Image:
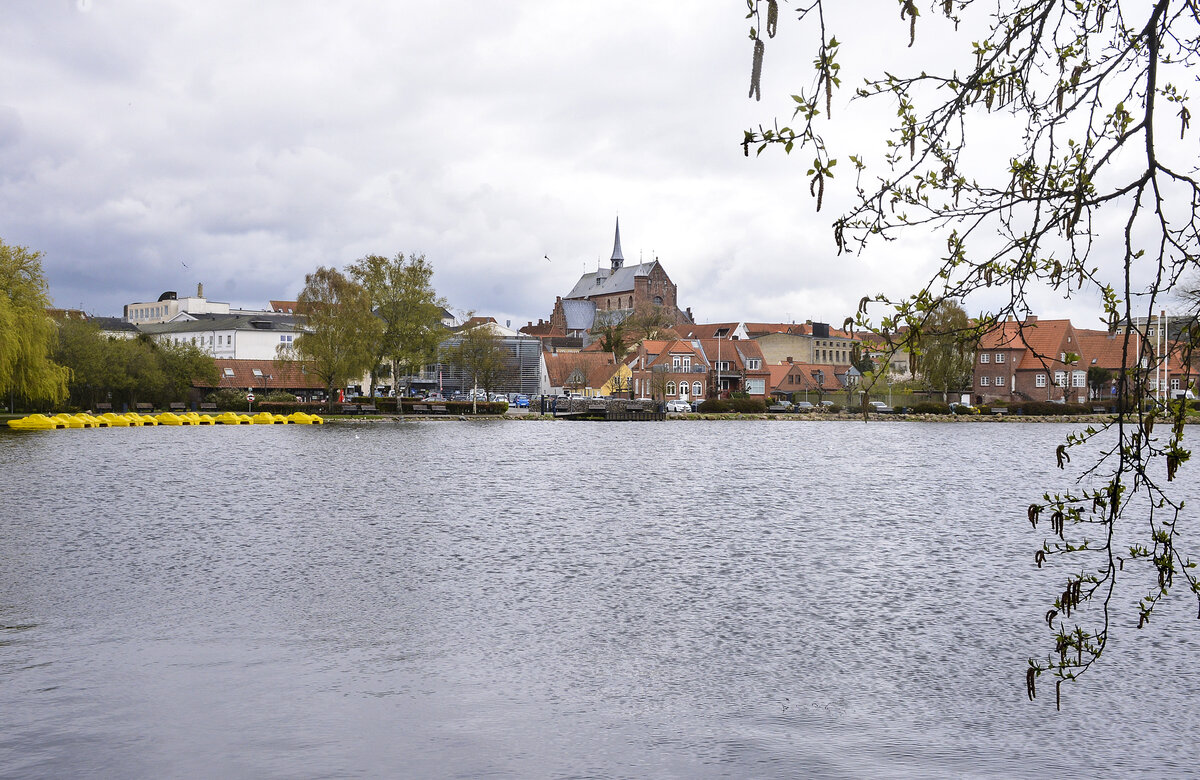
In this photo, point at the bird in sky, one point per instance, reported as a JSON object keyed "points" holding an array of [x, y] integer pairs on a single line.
{"points": [[547, 258]]}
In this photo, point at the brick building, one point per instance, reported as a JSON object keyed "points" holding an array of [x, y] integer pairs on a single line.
{"points": [[610, 295]]}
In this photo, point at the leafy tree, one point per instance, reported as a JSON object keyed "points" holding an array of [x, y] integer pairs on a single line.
{"points": [[403, 298], [651, 321], [128, 370], [478, 352], [946, 349], [1087, 188], [340, 331], [613, 335], [27, 334], [1098, 379], [183, 366]]}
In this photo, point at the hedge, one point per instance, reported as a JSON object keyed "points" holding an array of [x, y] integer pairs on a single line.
{"points": [[929, 407], [1048, 408]]}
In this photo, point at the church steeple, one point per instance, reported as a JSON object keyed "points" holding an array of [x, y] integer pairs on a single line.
{"points": [[618, 259]]}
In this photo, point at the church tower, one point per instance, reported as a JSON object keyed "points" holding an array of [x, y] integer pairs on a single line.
{"points": [[618, 259]]}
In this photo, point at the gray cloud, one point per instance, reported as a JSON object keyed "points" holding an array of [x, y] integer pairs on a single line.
{"points": [[255, 142]]}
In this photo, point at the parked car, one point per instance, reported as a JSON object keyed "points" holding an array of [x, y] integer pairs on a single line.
{"points": [[678, 406], [521, 401], [780, 406], [880, 407], [435, 397], [803, 406], [957, 408]]}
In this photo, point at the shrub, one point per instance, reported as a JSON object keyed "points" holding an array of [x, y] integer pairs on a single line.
{"points": [[229, 399], [1048, 408], [714, 406], [287, 407], [748, 405], [832, 409], [930, 407]]}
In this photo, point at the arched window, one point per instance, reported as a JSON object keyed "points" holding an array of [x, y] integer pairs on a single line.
{"points": [[631, 301], [670, 388], [658, 300], [696, 389]]}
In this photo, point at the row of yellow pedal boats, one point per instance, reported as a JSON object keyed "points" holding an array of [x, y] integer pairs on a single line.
{"points": [[41, 422]]}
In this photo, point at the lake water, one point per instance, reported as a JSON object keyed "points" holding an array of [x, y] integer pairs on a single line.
{"points": [[574, 600]]}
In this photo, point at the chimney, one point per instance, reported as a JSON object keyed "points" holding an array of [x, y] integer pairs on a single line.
{"points": [[789, 360], [200, 290]]}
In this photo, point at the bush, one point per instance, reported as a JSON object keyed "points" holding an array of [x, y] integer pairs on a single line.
{"points": [[285, 407], [714, 406], [930, 407], [832, 409], [228, 399], [748, 405], [1048, 408]]}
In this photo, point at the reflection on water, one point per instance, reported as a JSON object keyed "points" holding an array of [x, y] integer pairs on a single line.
{"points": [[552, 600]]}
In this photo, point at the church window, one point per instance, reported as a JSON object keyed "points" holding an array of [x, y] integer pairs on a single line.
{"points": [[658, 300]]}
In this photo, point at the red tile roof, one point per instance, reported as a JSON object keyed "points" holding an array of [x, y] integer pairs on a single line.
{"points": [[273, 374]]}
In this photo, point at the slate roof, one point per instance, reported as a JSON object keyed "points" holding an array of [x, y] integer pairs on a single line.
{"points": [[114, 324], [580, 314], [618, 281], [221, 322]]}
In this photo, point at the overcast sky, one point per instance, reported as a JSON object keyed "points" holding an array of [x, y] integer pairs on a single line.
{"points": [[149, 146]]}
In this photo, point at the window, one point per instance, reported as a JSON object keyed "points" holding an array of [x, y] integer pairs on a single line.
{"points": [[722, 365], [1060, 378], [756, 386], [258, 373], [228, 371], [1040, 380], [999, 357], [670, 388], [999, 381], [676, 362], [985, 357], [1175, 383], [696, 389], [657, 300], [753, 364], [687, 362], [1078, 379], [984, 381]]}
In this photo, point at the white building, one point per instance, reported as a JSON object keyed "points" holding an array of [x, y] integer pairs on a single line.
{"points": [[169, 305], [237, 336]]}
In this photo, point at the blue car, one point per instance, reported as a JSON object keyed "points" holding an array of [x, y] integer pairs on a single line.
{"points": [[522, 402]]}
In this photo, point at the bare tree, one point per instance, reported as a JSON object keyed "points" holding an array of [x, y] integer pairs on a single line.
{"points": [[1099, 168]]}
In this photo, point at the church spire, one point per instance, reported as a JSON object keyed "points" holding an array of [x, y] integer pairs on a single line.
{"points": [[618, 259]]}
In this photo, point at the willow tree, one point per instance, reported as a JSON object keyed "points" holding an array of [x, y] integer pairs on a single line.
{"points": [[27, 334], [1046, 144], [339, 333]]}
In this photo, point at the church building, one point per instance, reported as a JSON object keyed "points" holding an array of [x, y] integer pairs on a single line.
{"points": [[610, 295]]}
